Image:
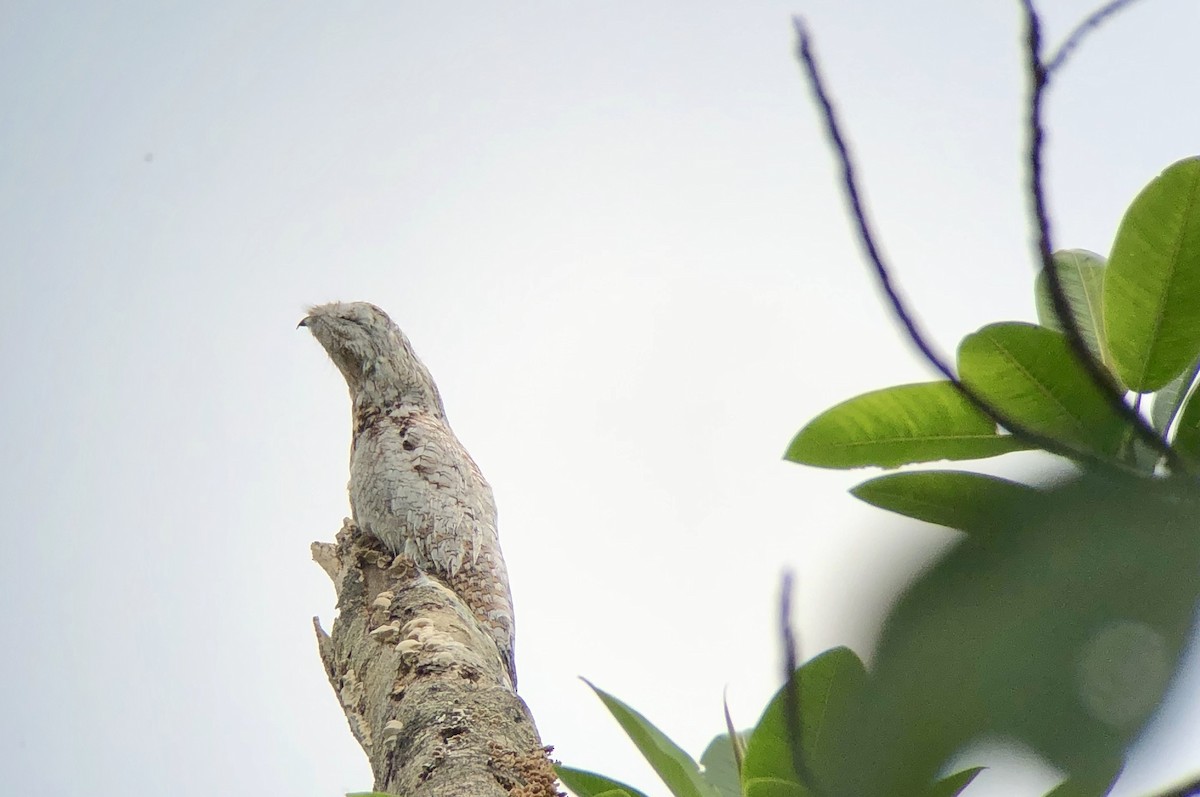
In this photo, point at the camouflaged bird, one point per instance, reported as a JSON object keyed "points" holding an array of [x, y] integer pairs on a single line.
{"points": [[412, 484]]}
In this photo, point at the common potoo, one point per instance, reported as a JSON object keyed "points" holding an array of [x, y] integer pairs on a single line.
{"points": [[412, 484]]}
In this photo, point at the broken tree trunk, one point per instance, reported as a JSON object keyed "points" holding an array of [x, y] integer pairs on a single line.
{"points": [[421, 684]]}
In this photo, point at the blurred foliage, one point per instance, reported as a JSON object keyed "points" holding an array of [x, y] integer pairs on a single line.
{"points": [[1059, 619]]}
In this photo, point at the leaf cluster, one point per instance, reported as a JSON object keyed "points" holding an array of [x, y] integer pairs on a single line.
{"points": [[1060, 616], [1139, 314]]}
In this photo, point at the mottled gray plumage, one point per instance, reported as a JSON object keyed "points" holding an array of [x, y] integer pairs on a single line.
{"points": [[412, 484]]}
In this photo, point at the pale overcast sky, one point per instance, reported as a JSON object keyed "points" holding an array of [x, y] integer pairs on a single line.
{"points": [[612, 231]]}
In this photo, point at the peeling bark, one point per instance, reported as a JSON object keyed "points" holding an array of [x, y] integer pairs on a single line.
{"points": [[422, 685]]}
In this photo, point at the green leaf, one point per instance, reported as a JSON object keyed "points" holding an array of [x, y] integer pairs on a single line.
{"points": [[1064, 633], [591, 784], [673, 765], [1150, 307], [1030, 373], [1095, 785], [953, 785], [830, 688], [775, 787], [1081, 274], [720, 767], [896, 425], [957, 499], [1168, 400]]}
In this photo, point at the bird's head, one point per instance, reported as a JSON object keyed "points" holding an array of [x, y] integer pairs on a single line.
{"points": [[373, 355]]}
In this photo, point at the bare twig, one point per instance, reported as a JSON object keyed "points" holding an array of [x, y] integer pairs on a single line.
{"points": [[1039, 79], [1089, 25], [866, 238], [791, 703], [850, 183]]}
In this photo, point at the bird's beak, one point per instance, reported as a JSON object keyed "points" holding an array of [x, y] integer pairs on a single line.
{"points": [[305, 322]]}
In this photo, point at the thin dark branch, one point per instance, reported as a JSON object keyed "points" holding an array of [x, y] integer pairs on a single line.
{"points": [[850, 183], [791, 703], [866, 238], [1100, 376], [1190, 789], [1089, 25]]}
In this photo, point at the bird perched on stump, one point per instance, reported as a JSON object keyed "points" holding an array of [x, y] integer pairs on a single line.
{"points": [[412, 484]]}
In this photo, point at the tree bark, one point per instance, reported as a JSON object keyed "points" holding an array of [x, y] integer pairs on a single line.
{"points": [[421, 684]]}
